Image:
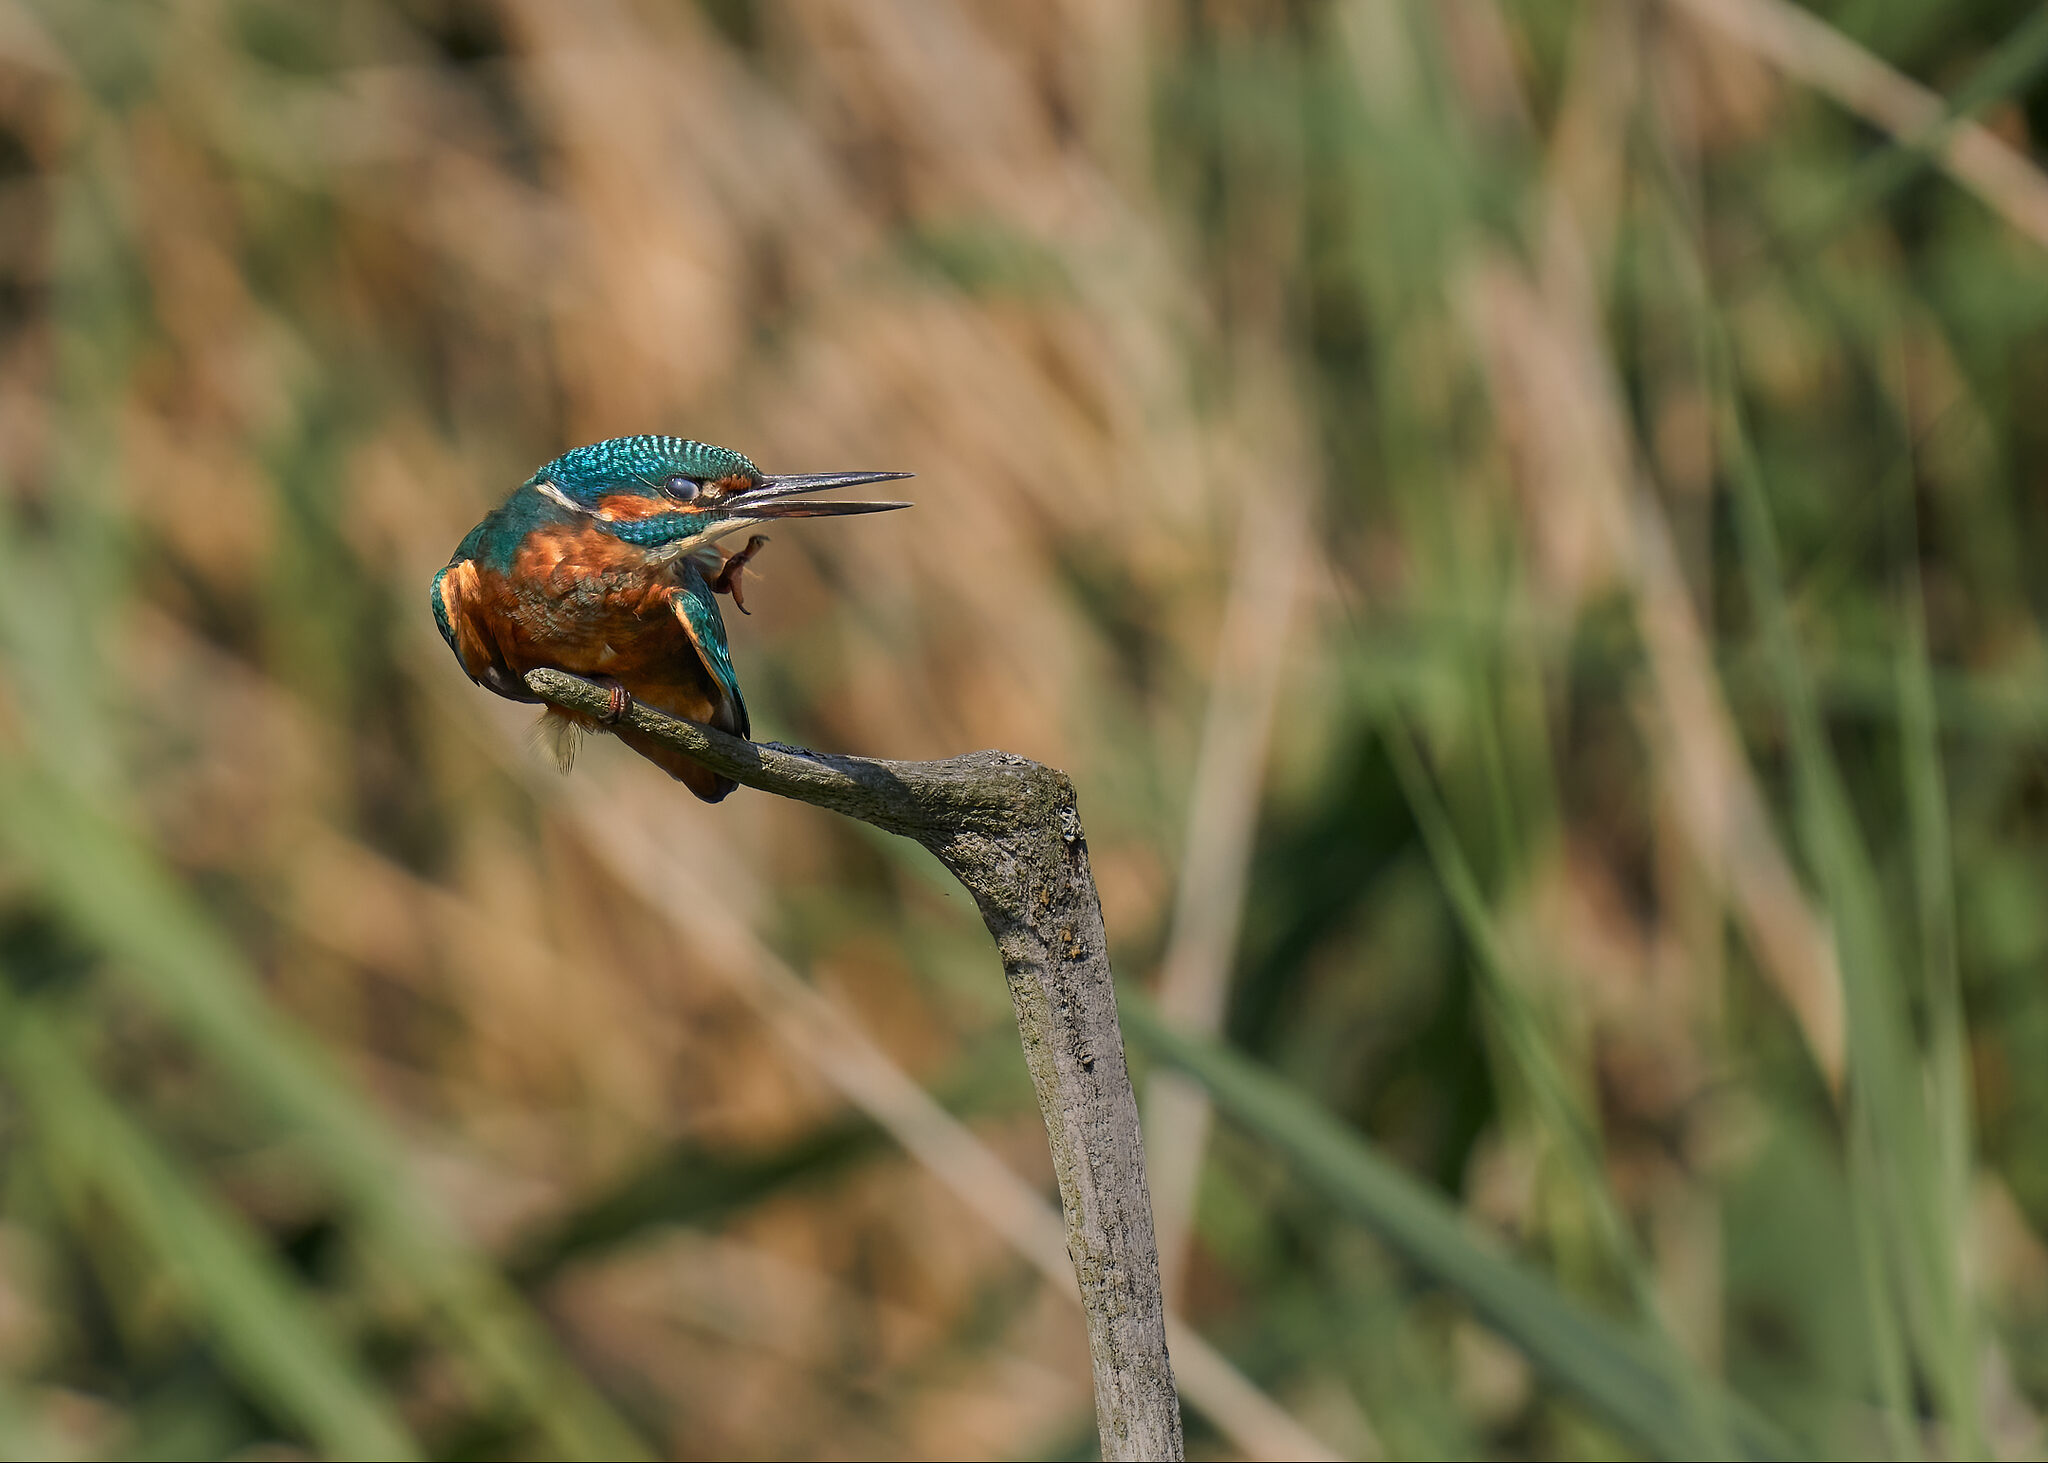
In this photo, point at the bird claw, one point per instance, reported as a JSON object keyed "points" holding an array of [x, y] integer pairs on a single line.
{"points": [[728, 580], [618, 701]]}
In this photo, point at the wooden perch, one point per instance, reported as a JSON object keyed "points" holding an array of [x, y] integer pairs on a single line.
{"points": [[1006, 828]]}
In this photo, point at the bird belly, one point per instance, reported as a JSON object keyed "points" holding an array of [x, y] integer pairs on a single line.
{"points": [[584, 602], [581, 601]]}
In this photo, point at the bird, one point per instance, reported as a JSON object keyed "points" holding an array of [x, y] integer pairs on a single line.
{"points": [[605, 563]]}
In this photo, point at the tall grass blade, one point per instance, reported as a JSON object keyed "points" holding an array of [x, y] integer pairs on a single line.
{"points": [[1557, 1107], [268, 1330], [117, 896], [2012, 64], [1603, 1363], [1947, 1039], [1906, 1186]]}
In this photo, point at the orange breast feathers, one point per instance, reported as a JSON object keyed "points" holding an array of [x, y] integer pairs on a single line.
{"points": [[579, 600], [621, 507]]}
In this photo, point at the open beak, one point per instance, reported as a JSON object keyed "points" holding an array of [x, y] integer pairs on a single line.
{"points": [[782, 497]]}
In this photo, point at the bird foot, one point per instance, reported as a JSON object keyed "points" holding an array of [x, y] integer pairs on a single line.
{"points": [[617, 703], [728, 580]]}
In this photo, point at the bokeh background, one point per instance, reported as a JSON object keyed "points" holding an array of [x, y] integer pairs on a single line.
{"points": [[1523, 518]]}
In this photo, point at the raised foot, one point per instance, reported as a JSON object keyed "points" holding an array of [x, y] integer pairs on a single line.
{"points": [[728, 580]]}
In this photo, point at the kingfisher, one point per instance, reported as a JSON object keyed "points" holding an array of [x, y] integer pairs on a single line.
{"points": [[606, 564]]}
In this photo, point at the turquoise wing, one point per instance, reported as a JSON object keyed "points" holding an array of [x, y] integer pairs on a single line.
{"points": [[441, 619], [465, 551], [698, 608]]}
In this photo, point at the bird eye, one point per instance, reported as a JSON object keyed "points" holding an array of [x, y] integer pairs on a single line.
{"points": [[682, 487]]}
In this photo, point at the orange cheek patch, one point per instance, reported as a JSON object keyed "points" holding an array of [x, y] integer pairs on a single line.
{"points": [[622, 507], [737, 483]]}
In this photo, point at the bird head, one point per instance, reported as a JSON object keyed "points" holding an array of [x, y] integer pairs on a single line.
{"points": [[671, 495]]}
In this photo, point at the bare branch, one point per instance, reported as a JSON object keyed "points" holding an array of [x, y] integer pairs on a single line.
{"points": [[1006, 828]]}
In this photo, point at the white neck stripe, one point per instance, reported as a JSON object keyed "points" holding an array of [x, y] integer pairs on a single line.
{"points": [[549, 491]]}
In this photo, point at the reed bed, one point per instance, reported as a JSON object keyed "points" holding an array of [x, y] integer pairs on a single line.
{"points": [[1521, 517]]}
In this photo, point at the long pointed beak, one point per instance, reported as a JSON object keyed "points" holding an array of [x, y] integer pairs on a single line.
{"points": [[781, 497]]}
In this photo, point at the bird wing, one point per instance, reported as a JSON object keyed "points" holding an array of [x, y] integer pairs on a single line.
{"points": [[696, 607], [706, 690], [454, 596]]}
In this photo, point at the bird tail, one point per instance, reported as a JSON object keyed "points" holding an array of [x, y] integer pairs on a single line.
{"points": [[694, 775], [559, 735]]}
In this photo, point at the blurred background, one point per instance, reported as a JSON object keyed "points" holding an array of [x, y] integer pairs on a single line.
{"points": [[1523, 518]]}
